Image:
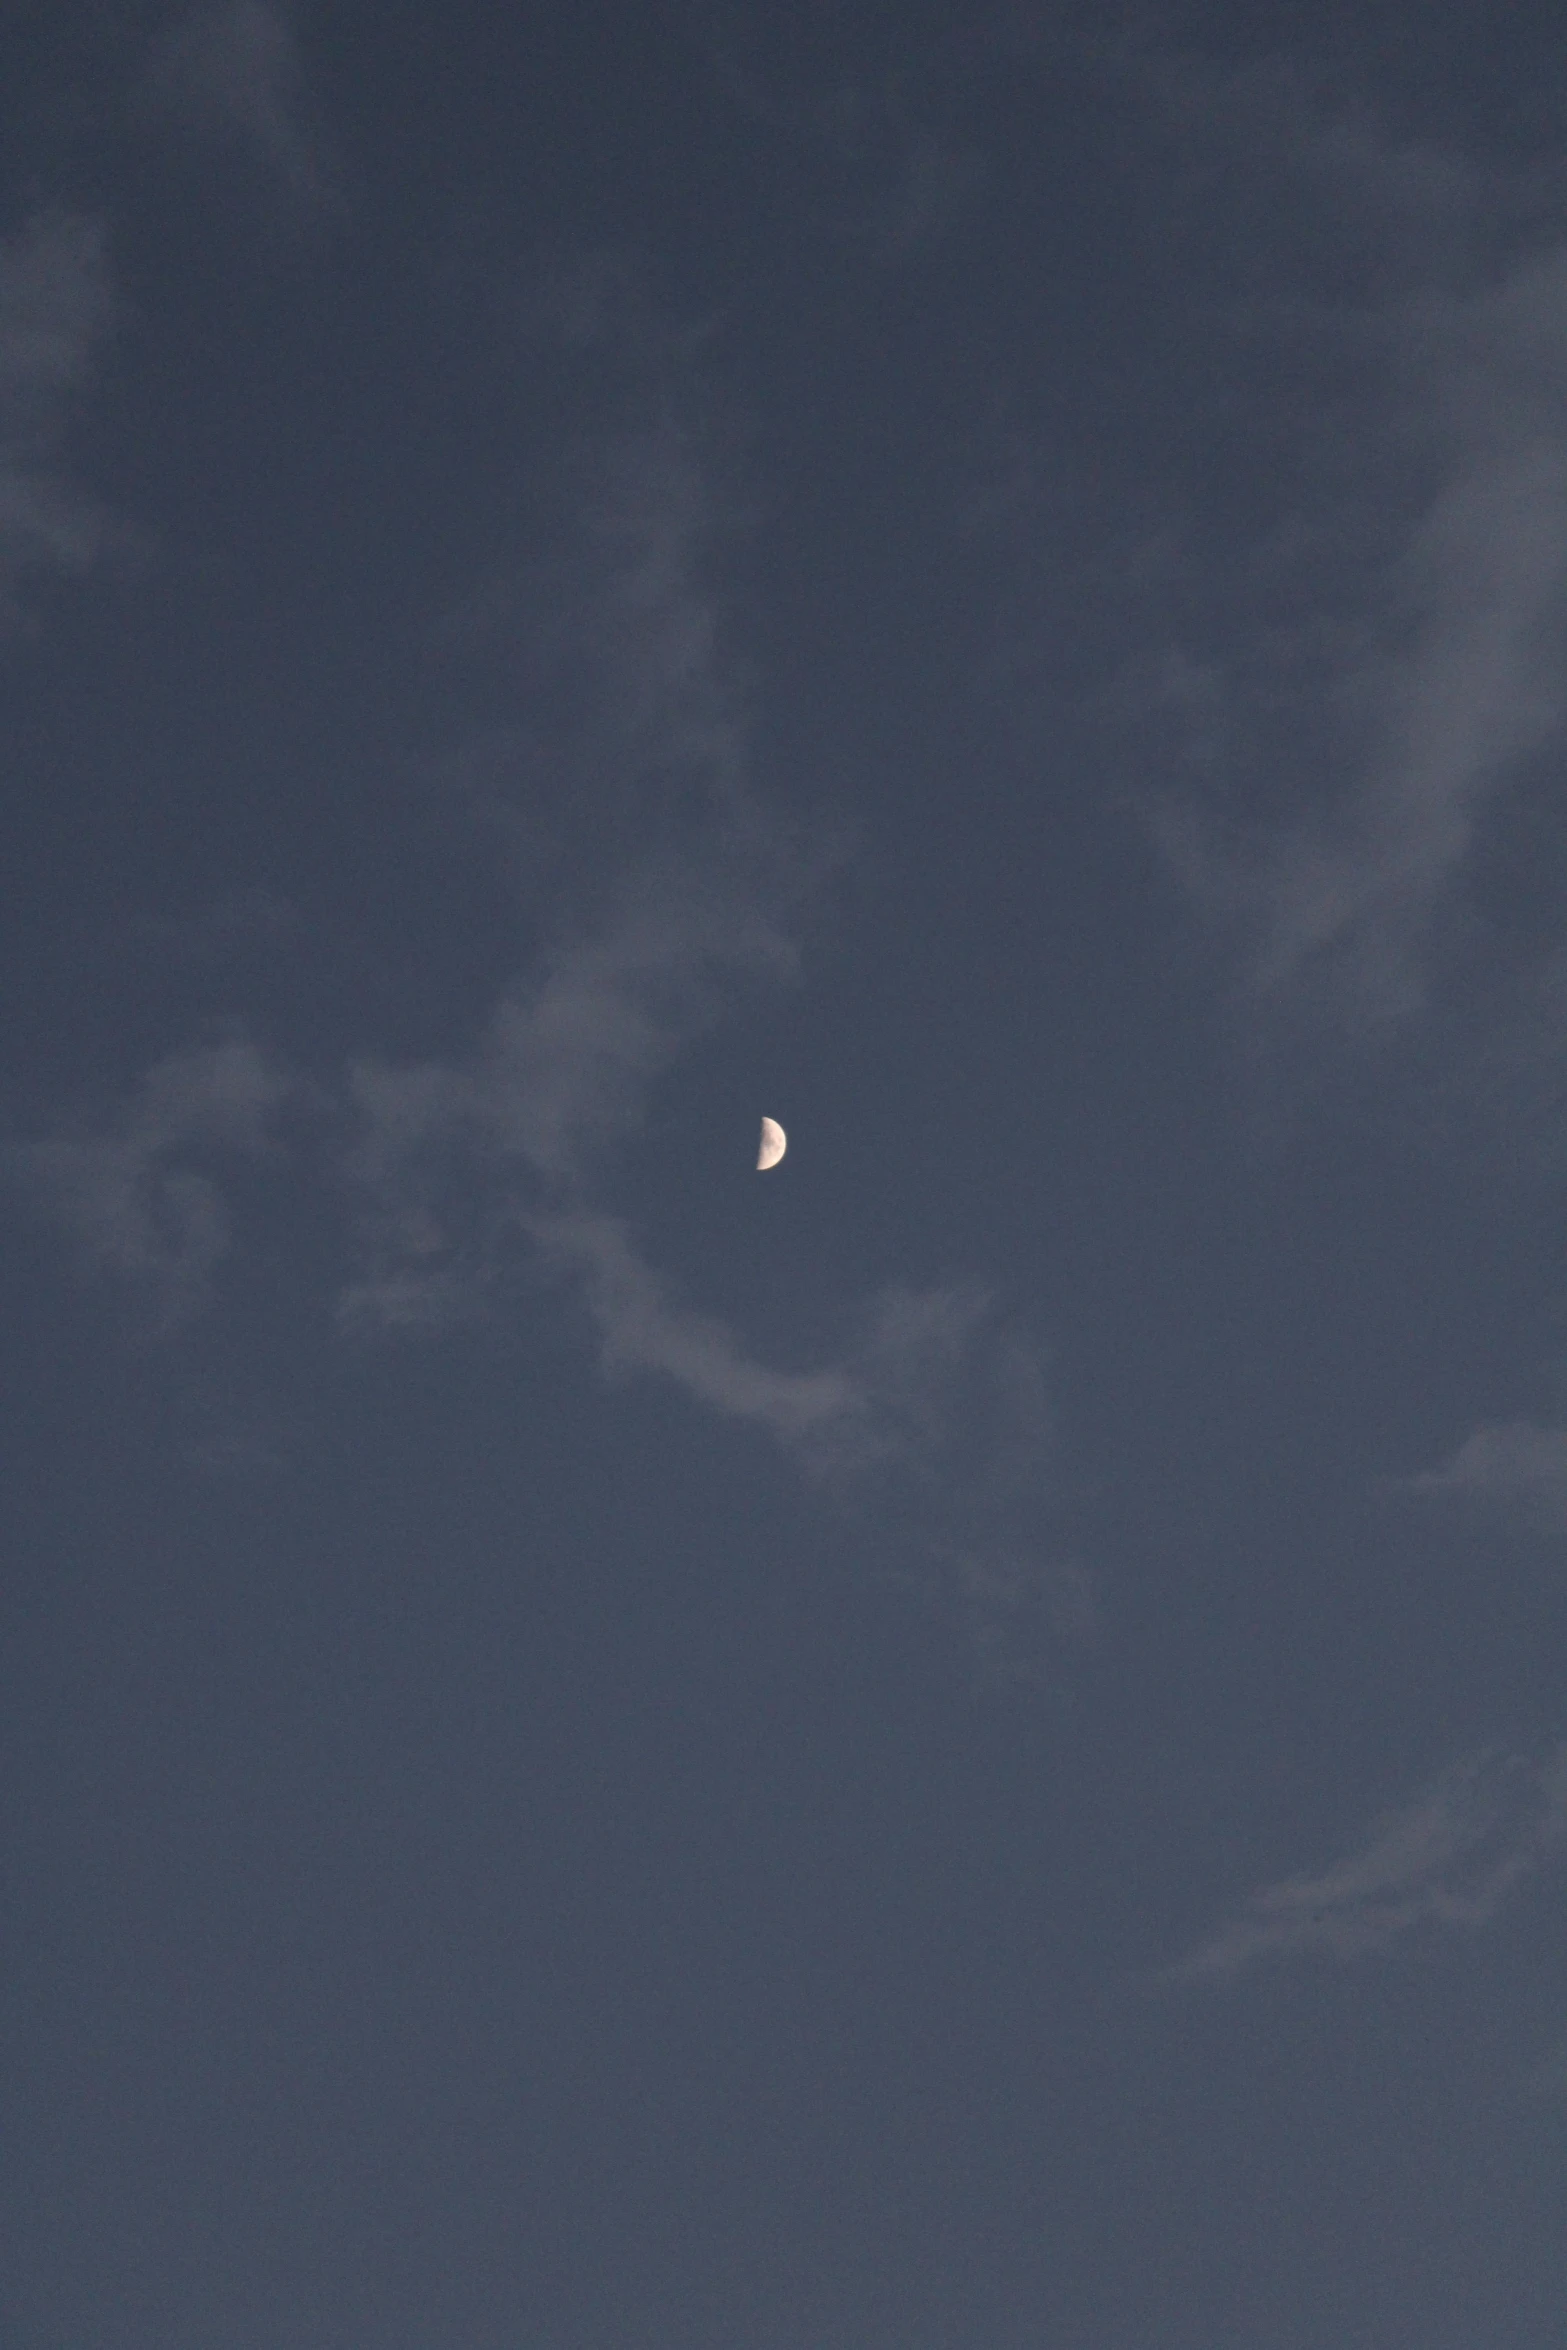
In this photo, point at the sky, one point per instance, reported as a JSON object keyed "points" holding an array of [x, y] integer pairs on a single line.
{"points": [[961, 1745]]}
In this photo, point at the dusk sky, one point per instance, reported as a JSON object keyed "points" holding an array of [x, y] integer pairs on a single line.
{"points": [[961, 1744]]}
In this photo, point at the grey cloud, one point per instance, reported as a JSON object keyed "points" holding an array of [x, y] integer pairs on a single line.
{"points": [[452, 1163], [235, 73], [1482, 591], [570, 1059], [1516, 1466], [523, 1126], [935, 180], [884, 179], [1435, 643], [1550, 2078], [609, 637], [649, 512], [467, 1174], [1015, 1603], [138, 1194], [469, 1178], [474, 1174], [676, 899], [1449, 1859], [1411, 201], [1427, 196], [644, 1328], [890, 1407], [1017, 1609], [54, 308]]}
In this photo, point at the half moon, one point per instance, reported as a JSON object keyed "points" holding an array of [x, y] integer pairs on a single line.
{"points": [[773, 1144]]}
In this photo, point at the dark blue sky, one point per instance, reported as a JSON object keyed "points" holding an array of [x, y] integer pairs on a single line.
{"points": [[960, 1746]]}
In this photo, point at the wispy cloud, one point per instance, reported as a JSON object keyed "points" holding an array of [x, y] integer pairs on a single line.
{"points": [[1426, 612], [1516, 1466], [643, 1326], [464, 1169], [1447, 1860], [1017, 1610], [54, 309], [1480, 595], [140, 1193], [470, 1177], [883, 179], [456, 1163], [1550, 2078], [234, 73]]}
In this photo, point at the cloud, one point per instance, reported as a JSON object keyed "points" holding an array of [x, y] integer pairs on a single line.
{"points": [[877, 174], [930, 184], [234, 74], [456, 1166], [677, 898], [1516, 1466], [495, 1166], [455, 1162], [1017, 1610], [141, 1195], [1388, 200], [1480, 592], [1449, 1859], [1550, 2078], [54, 309], [1406, 627], [469, 1177], [643, 1327]]}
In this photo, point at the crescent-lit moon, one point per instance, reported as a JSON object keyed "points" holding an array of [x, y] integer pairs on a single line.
{"points": [[773, 1144]]}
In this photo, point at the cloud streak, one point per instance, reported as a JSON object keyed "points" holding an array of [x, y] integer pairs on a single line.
{"points": [[559, 1079], [141, 1195], [1481, 591], [1515, 1466], [234, 74], [54, 310], [466, 1179], [462, 1169], [1447, 1860], [1431, 619]]}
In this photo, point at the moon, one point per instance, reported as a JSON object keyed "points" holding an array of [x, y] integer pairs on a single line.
{"points": [[773, 1144]]}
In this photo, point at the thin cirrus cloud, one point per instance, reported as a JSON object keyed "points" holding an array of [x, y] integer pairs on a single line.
{"points": [[459, 1170], [234, 75], [141, 1194], [1515, 1466], [451, 1162], [462, 1177], [458, 1167], [1437, 640], [1482, 590], [881, 179], [1446, 1860], [54, 311]]}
